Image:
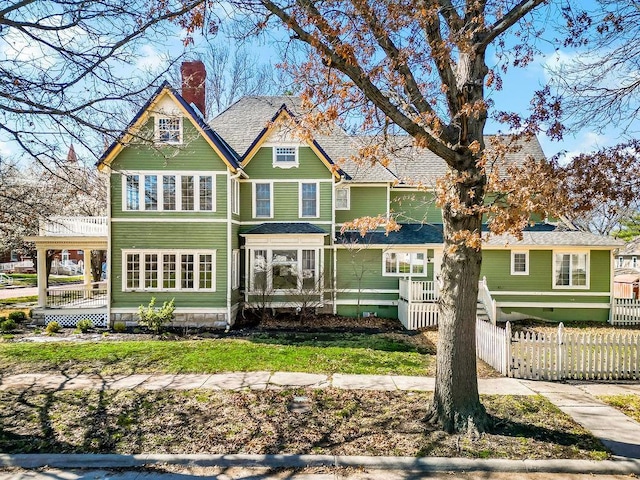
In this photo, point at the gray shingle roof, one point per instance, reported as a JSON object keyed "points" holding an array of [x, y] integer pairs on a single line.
{"points": [[243, 122], [556, 238]]}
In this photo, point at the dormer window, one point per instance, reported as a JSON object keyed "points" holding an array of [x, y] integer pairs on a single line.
{"points": [[169, 129], [285, 157]]}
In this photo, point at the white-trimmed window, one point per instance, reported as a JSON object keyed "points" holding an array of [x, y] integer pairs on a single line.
{"points": [[284, 269], [263, 199], [570, 270], [285, 157], [187, 270], [309, 200], [169, 192], [634, 262], [404, 263], [519, 263], [235, 197], [619, 262], [343, 198], [235, 269], [168, 129]]}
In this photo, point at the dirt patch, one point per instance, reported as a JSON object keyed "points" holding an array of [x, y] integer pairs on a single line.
{"points": [[337, 422]]}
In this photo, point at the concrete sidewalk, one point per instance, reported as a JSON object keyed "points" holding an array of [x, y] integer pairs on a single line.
{"points": [[617, 432]]}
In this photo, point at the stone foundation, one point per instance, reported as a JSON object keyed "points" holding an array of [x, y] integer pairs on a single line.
{"points": [[192, 320]]}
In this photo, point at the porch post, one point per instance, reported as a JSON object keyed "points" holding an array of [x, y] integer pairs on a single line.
{"points": [[86, 258], [42, 277]]}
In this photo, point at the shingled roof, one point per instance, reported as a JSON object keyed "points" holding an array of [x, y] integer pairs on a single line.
{"points": [[245, 121]]}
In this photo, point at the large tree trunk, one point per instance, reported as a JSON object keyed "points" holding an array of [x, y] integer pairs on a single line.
{"points": [[456, 403]]}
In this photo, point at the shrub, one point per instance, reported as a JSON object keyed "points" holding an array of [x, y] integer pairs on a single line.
{"points": [[53, 327], [119, 327], [156, 318], [18, 316], [7, 325], [84, 325]]}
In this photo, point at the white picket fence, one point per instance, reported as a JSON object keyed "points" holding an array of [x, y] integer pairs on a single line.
{"points": [[625, 311], [417, 315], [559, 355]]}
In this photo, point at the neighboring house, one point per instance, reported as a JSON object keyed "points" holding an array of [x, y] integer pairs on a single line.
{"points": [[627, 259], [241, 212]]}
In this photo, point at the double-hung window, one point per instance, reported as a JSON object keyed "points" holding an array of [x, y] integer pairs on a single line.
{"points": [[169, 271], [169, 192], [519, 263], [262, 196], [308, 200], [342, 198], [285, 157], [169, 129], [571, 270], [235, 197]]}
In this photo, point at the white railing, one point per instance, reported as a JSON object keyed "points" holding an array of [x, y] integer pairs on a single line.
{"points": [[493, 345], [418, 291], [77, 296], [489, 303], [74, 227], [625, 311], [418, 315], [13, 266]]}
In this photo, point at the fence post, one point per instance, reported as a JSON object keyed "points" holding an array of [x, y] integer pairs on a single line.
{"points": [[560, 366], [507, 350]]}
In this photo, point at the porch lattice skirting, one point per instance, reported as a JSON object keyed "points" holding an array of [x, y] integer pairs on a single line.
{"points": [[71, 320]]}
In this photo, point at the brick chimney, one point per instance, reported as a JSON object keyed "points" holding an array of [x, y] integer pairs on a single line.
{"points": [[193, 89]]}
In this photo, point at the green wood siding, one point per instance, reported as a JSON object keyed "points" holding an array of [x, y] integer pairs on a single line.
{"points": [[563, 314], [414, 207], [310, 166], [169, 236], [364, 202], [496, 266]]}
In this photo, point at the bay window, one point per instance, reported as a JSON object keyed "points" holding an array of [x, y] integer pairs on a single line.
{"points": [[284, 269]]}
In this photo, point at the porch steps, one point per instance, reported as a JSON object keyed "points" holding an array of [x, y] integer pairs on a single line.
{"points": [[481, 312]]}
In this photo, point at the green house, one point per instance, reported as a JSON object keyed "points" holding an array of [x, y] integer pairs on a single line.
{"points": [[249, 211]]}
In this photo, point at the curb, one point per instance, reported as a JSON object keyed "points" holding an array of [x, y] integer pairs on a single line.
{"points": [[620, 465]]}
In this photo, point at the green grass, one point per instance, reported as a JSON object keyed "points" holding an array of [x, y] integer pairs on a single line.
{"points": [[627, 404], [363, 356], [31, 279], [16, 300]]}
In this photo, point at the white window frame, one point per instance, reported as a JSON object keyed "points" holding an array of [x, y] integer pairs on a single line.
{"points": [[300, 215], [526, 262], [348, 199], [619, 262], [235, 269], [411, 253], [634, 262], [235, 196], [142, 176], [255, 206], [160, 270], [571, 286], [157, 135], [280, 164], [269, 264]]}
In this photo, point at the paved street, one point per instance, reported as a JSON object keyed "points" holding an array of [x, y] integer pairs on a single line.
{"points": [[17, 292]]}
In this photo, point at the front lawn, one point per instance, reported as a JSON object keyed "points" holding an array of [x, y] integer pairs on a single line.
{"points": [[313, 353], [627, 404], [338, 422]]}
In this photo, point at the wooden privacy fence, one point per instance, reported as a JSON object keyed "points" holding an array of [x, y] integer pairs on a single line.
{"points": [[559, 355]]}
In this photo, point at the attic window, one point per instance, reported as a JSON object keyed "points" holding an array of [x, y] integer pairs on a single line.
{"points": [[169, 129], [285, 157]]}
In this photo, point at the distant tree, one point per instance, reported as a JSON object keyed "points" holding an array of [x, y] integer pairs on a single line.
{"points": [[629, 228]]}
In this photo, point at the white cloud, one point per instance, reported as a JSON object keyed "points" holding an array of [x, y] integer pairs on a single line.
{"points": [[5, 150]]}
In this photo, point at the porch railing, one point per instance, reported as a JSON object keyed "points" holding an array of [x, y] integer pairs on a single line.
{"points": [[489, 303], [78, 296], [418, 291], [74, 227]]}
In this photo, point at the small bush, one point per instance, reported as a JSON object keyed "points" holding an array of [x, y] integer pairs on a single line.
{"points": [[53, 327], [18, 316], [156, 318], [7, 325], [119, 327], [84, 325]]}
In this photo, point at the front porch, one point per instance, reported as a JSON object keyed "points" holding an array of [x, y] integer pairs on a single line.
{"points": [[69, 303], [417, 307]]}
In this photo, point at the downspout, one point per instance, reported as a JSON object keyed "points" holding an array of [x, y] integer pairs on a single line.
{"points": [[230, 178], [334, 293]]}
